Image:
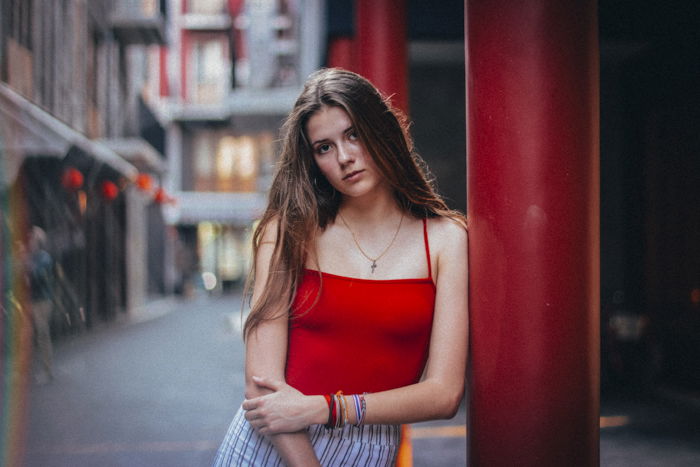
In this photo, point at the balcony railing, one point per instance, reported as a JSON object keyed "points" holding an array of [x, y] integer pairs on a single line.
{"points": [[139, 21]]}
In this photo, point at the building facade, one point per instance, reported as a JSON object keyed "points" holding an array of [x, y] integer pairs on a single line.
{"points": [[232, 70], [77, 131]]}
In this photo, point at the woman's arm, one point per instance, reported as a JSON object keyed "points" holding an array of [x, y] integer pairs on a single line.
{"points": [[437, 396], [266, 349], [266, 354]]}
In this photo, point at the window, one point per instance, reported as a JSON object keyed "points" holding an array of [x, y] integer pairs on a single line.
{"points": [[210, 70], [226, 163], [236, 164], [207, 7], [16, 43]]}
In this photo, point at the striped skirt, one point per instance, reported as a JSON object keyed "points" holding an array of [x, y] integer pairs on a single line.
{"points": [[365, 446]]}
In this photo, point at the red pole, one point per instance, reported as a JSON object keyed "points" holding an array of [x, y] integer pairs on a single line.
{"points": [[341, 53], [533, 202], [382, 54]]}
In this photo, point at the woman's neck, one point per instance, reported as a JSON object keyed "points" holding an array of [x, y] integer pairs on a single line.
{"points": [[369, 211]]}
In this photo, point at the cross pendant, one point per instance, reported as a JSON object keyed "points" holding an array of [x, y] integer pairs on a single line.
{"points": [[374, 265]]}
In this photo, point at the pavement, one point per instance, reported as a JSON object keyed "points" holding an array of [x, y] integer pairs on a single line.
{"points": [[161, 389], [158, 392], [649, 430]]}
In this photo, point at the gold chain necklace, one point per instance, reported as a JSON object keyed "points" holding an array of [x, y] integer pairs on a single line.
{"points": [[373, 260]]}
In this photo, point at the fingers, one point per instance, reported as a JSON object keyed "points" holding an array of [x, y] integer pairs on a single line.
{"points": [[268, 383], [262, 428], [250, 404], [259, 423]]}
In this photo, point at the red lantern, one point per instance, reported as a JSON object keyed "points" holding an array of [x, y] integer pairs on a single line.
{"points": [[72, 179], [109, 190], [162, 197], [144, 182]]}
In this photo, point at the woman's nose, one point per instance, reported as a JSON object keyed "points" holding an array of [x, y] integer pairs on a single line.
{"points": [[345, 154]]}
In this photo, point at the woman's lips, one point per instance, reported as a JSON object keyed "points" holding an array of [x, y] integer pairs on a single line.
{"points": [[352, 175]]}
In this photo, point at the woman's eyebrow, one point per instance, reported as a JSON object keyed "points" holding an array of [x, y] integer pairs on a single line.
{"points": [[345, 131]]}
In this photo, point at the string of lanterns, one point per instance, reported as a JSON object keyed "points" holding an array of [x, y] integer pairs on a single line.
{"points": [[73, 180]]}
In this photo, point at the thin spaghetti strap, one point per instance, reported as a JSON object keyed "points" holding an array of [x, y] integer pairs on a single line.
{"points": [[427, 247]]}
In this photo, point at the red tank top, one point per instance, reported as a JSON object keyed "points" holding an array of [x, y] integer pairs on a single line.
{"points": [[359, 335]]}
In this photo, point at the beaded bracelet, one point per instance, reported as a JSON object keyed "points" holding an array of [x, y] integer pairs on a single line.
{"points": [[364, 407]]}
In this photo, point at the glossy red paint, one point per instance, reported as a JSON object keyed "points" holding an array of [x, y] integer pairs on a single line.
{"points": [[533, 203]]}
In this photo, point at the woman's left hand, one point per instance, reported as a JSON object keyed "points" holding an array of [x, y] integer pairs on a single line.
{"points": [[285, 410]]}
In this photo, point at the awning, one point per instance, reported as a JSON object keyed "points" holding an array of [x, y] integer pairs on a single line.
{"points": [[137, 151], [27, 129]]}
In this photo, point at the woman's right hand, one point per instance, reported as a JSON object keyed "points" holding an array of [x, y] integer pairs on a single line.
{"points": [[285, 410]]}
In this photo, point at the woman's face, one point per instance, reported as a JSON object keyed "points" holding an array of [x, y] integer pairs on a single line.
{"points": [[340, 155]]}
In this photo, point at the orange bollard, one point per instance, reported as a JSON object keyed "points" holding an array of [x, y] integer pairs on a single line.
{"points": [[405, 456]]}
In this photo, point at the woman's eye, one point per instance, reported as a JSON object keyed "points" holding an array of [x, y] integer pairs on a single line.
{"points": [[352, 136], [323, 148]]}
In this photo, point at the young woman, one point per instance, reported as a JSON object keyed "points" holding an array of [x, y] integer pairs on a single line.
{"points": [[359, 305]]}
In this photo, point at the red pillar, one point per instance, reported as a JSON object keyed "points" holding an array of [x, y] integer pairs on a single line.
{"points": [[341, 53], [382, 55], [533, 202]]}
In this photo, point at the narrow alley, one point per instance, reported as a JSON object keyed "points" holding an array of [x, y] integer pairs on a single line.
{"points": [[161, 392]]}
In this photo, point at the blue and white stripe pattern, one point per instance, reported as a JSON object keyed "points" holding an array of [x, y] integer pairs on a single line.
{"points": [[351, 446]]}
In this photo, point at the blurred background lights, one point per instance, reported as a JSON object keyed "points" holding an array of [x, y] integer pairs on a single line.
{"points": [[695, 296], [209, 280]]}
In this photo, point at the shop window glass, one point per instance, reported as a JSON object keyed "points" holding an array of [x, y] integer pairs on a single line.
{"points": [[203, 151], [226, 163], [210, 71], [207, 7]]}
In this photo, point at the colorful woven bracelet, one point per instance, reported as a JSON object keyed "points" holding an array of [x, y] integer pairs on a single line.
{"points": [[345, 411], [329, 401], [363, 409], [331, 412], [340, 402], [358, 409]]}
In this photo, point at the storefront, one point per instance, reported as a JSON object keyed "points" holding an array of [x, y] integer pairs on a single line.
{"points": [[74, 190]]}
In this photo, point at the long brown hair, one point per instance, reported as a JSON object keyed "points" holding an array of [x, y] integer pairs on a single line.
{"points": [[301, 200]]}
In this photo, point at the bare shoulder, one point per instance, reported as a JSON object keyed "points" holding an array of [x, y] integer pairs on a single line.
{"points": [[448, 243], [445, 232]]}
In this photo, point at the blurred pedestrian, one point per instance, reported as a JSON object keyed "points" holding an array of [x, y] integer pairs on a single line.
{"points": [[41, 281], [359, 301]]}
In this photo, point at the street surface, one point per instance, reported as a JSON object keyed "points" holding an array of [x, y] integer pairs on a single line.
{"points": [[161, 392]]}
